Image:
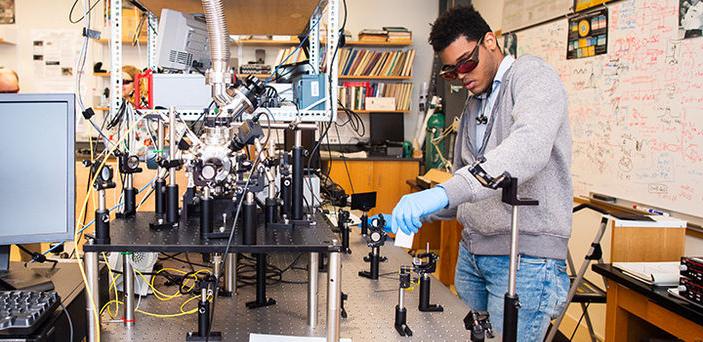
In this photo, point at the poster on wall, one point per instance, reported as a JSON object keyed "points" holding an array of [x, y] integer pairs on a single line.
{"points": [[582, 5], [510, 44], [588, 34], [7, 11], [53, 59], [690, 18]]}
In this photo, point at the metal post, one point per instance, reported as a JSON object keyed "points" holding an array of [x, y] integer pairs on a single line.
{"points": [[334, 294], [511, 301], [151, 49], [297, 190], [332, 65], [231, 273], [217, 265], [128, 286], [313, 289], [514, 250], [115, 56], [90, 260]]}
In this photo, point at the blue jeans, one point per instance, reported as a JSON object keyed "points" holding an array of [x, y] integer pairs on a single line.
{"points": [[542, 285]]}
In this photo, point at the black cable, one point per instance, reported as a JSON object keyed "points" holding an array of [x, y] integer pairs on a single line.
{"points": [[70, 13], [70, 321], [168, 256], [229, 243]]}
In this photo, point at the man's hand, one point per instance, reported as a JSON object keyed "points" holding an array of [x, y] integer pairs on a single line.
{"points": [[387, 226], [413, 207]]}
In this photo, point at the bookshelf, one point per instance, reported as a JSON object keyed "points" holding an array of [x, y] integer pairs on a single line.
{"points": [[379, 44], [370, 77], [376, 69]]}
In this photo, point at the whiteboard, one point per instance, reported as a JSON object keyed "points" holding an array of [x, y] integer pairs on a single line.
{"points": [[637, 112], [518, 14]]}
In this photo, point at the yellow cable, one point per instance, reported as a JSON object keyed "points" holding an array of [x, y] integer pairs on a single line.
{"points": [[167, 315], [113, 284], [77, 231]]}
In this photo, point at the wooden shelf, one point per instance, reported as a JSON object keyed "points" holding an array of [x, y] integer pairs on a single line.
{"points": [[379, 44], [102, 74], [5, 42], [265, 42], [367, 77], [107, 40], [245, 17]]}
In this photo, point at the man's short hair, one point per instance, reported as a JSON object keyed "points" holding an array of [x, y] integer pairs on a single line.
{"points": [[457, 22]]}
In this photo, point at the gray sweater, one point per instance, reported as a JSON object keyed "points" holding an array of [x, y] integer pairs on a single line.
{"points": [[531, 139]]}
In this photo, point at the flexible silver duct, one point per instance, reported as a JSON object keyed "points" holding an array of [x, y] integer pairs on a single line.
{"points": [[219, 76]]}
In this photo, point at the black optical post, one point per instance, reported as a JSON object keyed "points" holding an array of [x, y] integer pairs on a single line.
{"points": [[424, 265], [343, 225], [128, 166], [250, 223], [375, 239], [509, 185], [103, 181], [297, 182]]}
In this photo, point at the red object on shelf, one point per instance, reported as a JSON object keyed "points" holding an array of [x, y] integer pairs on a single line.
{"points": [[147, 75]]}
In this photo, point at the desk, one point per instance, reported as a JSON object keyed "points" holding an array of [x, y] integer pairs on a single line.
{"points": [[370, 307], [629, 299], [68, 284], [134, 235]]}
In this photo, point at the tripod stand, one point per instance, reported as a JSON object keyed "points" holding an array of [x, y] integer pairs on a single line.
{"points": [[509, 185]]}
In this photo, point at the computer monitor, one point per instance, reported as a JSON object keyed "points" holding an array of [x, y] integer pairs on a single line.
{"points": [[37, 176], [182, 39]]}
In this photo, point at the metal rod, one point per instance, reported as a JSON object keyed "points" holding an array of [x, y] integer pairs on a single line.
{"points": [[231, 273], [90, 260], [102, 206], [128, 284], [161, 136], [173, 145], [313, 289], [217, 265], [129, 181], [514, 239], [334, 294]]}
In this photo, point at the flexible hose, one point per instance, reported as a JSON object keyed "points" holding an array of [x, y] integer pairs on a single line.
{"points": [[218, 37]]}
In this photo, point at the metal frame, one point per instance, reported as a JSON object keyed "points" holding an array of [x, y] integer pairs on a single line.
{"points": [[115, 56], [280, 114]]}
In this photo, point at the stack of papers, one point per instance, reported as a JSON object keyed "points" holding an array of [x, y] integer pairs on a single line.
{"points": [[652, 273]]}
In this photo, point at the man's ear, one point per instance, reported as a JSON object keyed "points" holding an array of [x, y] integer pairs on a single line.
{"points": [[490, 41]]}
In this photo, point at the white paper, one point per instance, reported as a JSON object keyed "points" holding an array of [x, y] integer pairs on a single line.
{"points": [[403, 240], [282, 338]]}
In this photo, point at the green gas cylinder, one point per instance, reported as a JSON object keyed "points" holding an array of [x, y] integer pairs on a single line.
{"points": [[435, 126]]}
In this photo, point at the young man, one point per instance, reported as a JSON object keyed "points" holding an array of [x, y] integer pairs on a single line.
{"points": [[515, 118]]}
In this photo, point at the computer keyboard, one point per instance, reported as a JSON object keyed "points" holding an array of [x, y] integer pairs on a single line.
{"points": [[21, 312]]}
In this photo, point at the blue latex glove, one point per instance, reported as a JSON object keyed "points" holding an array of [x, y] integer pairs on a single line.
{"points": [[387, 227], [413, 207]]}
